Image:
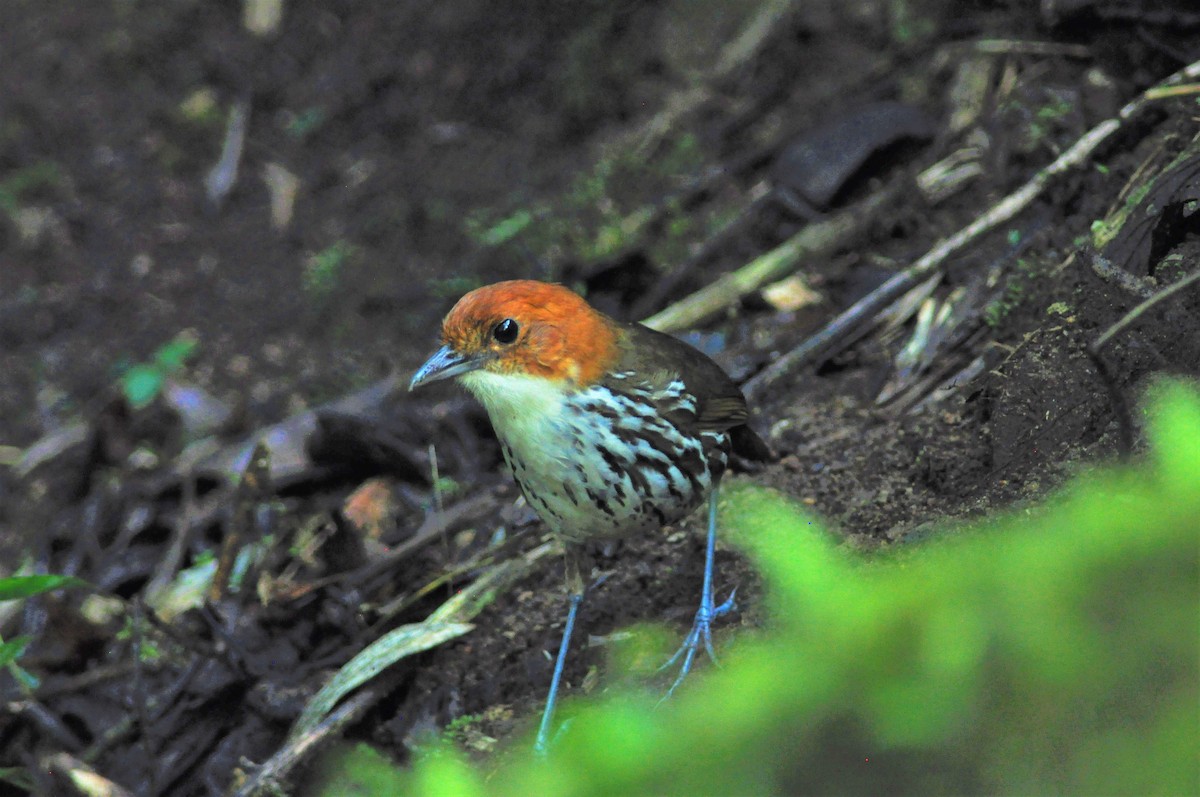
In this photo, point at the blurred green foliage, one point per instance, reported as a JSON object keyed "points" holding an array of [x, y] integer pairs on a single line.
{"points": [[14, 588], [141, 383], [351, 770], [1053, 651], [305, 123], [323, 270]]}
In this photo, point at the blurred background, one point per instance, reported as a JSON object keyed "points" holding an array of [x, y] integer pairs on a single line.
{"points": [[219, 214]]}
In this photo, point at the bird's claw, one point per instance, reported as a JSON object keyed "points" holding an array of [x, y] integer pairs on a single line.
{"points": [[729, 605], [701, 632]]}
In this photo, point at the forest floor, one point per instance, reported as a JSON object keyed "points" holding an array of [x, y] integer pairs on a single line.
{"points": [[161, 310]]}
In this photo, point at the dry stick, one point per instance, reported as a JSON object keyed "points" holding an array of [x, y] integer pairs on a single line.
{"points": [[755, 34], [666, 284], [1120, 405], [864, 310], [1107, 271], [124, 727], [181, 535], [85, 779], [739, 166], [815, 240], [86, 679], [267, 777], [48, 724], [1024, 47], [1133, 315], [1162, 92], [433, 528]]}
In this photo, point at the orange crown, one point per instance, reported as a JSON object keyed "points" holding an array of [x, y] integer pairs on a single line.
{"points": [[559, 336]]}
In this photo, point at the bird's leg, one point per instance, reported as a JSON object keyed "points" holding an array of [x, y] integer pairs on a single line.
{"points": [[575, 596], [708, 611]]}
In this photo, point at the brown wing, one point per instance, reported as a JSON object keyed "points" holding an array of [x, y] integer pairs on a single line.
{"points": [[722, 413], [660, 359], [720, 405]]}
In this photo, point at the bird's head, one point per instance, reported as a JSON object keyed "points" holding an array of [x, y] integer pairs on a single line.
{"points": [[526, 329]]}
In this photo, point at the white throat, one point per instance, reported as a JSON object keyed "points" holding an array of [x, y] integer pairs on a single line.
{"points": [[521, 407]]}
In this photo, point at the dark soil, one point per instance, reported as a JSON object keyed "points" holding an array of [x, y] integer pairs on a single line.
{"points": [[413, 130]]}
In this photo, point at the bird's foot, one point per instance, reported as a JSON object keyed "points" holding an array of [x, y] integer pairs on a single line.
{"points": [[701, 633]]}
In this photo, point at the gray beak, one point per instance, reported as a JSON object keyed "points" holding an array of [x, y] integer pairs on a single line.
{"points": [[444, 363]]}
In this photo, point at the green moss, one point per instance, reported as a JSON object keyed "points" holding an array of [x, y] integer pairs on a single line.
{"points": [[1104, 231], [1059, 308]]}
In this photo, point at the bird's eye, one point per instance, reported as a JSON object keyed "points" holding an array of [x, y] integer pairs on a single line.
{"points": [[506, 331]]}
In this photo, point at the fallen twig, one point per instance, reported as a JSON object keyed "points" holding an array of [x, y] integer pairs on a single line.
{"points": [[1115, 275], [1027, 47], [82, 777], [1133, 315], [46, 721], [815, 240], [1094, 352], [434, 528], [267, 777], [864, 310], [448, 621], [372, 671]]}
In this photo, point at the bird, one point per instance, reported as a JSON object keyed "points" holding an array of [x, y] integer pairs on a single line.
{"points": [[610, 429]]}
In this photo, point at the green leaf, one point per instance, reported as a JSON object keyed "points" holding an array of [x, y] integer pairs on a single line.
{"points": [[16, 587], [505, 230], [11, 650], [141, 384], [171, 356], [29, 682], [446, 622], [397, 644]]}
